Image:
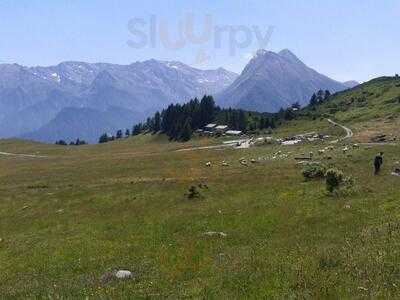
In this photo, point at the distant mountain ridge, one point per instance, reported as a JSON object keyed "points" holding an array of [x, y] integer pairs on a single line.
{"points": [[272, 80], [32, 97], [40, 102], [86, 123]]}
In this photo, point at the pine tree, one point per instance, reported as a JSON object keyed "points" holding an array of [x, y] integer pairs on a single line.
{"points": [[242, 121], [186, 133], [272, 123], [289, 114], [327, 95], [103, 138], [137, 129], [207, 110], [119, 134], [266, 123], [321, 96], [61, 143], [314, 100], [157, 122]]}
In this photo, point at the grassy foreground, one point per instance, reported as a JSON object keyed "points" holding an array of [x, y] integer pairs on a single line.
{"points": [[70, 217]]}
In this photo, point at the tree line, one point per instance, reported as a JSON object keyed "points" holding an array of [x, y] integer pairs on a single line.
{"points": [[77, 142], [180, 121]]}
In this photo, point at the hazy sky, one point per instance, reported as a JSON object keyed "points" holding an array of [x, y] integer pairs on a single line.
{"points": [[352, 39]]}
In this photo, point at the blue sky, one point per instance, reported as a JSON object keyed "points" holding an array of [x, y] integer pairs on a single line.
{"points": [[353, 39]]}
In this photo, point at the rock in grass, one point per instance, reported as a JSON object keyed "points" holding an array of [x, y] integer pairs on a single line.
{"points": [[123, 274], [106, 277], [214, 233]]}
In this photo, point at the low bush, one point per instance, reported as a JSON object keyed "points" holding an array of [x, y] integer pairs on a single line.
{"points": [[334, 178], [314, 170], [193, 193]]}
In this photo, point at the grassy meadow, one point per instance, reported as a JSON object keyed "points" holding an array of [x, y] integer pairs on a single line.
{"points": [[68, 218]]}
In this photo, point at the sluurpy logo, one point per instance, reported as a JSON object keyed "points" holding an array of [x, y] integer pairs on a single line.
{"points": [[157, 32]]}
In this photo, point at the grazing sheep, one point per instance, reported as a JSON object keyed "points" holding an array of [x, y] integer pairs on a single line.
{"points": [[244, 163], [208, 164], [225, 164]]}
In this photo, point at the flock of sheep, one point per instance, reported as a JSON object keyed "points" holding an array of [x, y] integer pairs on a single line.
{"points": [[279, 155]]}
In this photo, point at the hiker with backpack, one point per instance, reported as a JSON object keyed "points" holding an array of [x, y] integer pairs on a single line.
{"points": [[378, 162]]}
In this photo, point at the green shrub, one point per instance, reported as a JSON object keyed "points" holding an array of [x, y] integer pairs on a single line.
{"points": [[193, 193], [314, 170], [334, 178], [348, 185]]}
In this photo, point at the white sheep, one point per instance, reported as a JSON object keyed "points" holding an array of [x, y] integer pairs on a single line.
{"points": [[244, 162]]}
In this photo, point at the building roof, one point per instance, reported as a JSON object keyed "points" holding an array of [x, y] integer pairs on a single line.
{"points": [[234, 132], [210, 125], [221, 127]]}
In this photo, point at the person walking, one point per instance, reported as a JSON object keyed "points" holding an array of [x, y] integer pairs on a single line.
{"points": [[378, 162]]}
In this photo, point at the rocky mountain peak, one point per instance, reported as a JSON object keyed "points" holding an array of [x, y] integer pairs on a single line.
{"points": [[274, 80]]}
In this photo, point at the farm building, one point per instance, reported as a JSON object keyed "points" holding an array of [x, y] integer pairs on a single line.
{"points": [[210, 127], [221, 128], [234, 132]]}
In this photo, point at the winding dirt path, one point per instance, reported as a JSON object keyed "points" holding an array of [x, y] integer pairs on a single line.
{"points": [[22, 155], [349, 132]]}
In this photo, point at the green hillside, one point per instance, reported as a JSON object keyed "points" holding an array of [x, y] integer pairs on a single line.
{"points": [[71, 216], [371, 108]]}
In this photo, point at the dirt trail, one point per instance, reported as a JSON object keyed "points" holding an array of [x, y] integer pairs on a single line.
{"points": [[22, 155], [349, 132]]}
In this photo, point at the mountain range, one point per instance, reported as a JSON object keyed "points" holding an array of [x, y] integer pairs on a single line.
{"points": [[38, 99], [83, 100]]}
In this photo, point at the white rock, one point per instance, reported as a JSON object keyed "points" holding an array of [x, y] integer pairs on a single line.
{"points": [[214, 233], [123, 274]]}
